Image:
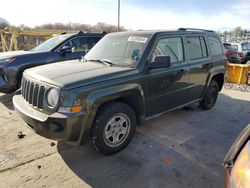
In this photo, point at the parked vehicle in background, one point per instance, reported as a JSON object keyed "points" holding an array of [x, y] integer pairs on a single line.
{"points": [[59, 48], [232, 55], [237, 162], [127, 78], [244, 50]]}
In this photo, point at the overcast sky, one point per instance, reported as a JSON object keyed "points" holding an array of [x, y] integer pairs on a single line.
{"points": [[135, 14]]}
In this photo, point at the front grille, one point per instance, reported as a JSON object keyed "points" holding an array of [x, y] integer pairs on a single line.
{"points": [[33, 93]]}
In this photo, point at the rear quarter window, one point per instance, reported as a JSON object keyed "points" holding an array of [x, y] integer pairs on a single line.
{"points": [[215, 46]]}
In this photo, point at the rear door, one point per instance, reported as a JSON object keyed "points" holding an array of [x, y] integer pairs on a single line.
{"points": [[166, 88], [200, 64]]}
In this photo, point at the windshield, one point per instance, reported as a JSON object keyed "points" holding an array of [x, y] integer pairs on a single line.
{"points": [[120, 50], [50, 44]]}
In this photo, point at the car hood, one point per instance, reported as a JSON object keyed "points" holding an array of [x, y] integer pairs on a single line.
{"points": [[72, 74], [13, 54]]}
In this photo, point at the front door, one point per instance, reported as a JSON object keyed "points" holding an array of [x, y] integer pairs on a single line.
{"points": [[167, 88], [78, 48]]}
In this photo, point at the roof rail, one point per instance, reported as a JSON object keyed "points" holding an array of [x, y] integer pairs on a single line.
{"points": [[193, 29], [84, 32], [80, 32]]}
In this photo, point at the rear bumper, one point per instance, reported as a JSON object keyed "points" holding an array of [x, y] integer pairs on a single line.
{"points": [[57, 126]]}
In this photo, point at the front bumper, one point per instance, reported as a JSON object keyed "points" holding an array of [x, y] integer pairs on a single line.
{"points": [[5, 87], [57, 126]]}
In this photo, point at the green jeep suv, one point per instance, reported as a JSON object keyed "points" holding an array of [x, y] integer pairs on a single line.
{"points": [[125, 79]]}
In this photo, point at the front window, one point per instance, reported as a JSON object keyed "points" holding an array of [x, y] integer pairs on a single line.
{"points": [[48, 45], [120, 50], [170, 46], [78, 44]]}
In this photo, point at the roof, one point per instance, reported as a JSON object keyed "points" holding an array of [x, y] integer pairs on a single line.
{"points": [[155, 32], [84, 33]]}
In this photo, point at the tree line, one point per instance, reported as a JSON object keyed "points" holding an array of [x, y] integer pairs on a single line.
{"points": [[236, 34], [68, 26], [28, 42]]}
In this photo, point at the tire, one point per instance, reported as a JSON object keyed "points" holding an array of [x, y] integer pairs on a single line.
{"points": [[209, 99], [113, 128]]}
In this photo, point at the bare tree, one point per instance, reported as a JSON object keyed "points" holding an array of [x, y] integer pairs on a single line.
{"points": [[3, 23], [81, 27]]}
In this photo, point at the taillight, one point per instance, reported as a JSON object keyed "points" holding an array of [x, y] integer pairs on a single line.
{"points": [[240, 174], [228, 53]]}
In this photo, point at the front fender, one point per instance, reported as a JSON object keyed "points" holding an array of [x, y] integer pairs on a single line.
{"points": [[102, 96]]}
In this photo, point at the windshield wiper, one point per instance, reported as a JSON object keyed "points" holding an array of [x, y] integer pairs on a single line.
{"points": [[103, 61]]}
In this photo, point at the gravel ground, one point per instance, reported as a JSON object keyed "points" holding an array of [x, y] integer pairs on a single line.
{"points": [[237, 87], [184, 148]]}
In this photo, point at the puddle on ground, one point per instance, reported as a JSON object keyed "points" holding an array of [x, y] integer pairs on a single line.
{"points": [[3, 159]]}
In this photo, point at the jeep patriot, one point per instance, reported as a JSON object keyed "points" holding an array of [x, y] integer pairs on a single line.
{"points": [[125, 79]]}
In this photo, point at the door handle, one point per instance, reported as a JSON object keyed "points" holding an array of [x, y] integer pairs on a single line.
{"points": [[207, 66], [180, 73]]}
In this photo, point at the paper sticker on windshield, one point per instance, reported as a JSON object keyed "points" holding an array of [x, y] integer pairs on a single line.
{"points": [[137, 39]]}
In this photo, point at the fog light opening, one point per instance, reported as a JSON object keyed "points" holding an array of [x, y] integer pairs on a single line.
{"points": [[4, 78], [55, 127]]}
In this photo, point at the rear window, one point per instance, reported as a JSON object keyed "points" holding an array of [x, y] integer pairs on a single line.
{"points": [[196, 47], [235, 47], [228, 46], [215, 46]]}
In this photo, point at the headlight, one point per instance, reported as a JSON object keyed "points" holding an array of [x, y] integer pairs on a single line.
{"points": [[10, 60], [240, 174], [53, 97]]}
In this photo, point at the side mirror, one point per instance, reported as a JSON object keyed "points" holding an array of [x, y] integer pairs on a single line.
{"points": [[160, 62], [65, 49], [86, 51]]}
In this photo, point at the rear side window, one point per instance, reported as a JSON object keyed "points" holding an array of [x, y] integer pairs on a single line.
{"points": [[171, 46], [197, 47], [215, 46]]}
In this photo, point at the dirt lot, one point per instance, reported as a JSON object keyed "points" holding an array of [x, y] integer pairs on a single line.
{"points": [[180, 149]]}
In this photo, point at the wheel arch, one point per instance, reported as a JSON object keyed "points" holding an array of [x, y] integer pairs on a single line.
{"points": [[219, 78], [130, 94]]}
